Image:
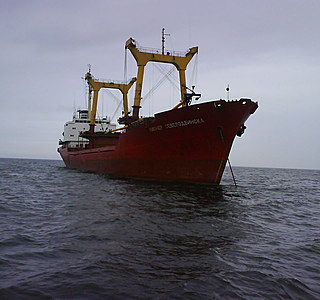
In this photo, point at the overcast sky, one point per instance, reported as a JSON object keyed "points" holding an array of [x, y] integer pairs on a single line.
{"points": [[267, 50]]}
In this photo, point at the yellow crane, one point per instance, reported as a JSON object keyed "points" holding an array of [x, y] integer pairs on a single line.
{"points": [[143, 56], [97, 85]]}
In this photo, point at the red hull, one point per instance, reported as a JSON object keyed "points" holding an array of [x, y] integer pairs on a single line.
{"points": [[190, 144]]}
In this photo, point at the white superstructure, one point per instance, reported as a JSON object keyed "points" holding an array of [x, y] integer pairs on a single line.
{"points": [[80, 123]]}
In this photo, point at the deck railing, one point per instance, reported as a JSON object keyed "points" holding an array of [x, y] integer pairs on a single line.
{"points": [[159, 51]]}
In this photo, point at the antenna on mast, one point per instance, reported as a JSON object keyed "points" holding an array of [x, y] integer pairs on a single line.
{"points": [[164, 39]]}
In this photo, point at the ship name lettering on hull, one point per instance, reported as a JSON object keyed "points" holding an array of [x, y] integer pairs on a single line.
{"points": [[177, 124]]}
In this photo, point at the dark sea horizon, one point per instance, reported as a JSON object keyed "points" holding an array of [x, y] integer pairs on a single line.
{"points": [[66, 234], [227, 169]]}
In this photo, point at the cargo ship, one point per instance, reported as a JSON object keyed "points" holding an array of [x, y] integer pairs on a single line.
{"points": [[190, 142]]}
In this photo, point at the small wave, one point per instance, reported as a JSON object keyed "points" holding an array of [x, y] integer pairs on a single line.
{"points": [[18, 292], [18, 239]]}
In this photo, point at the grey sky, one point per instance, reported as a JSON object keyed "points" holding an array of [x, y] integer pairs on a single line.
{"points": [[267, 50]]}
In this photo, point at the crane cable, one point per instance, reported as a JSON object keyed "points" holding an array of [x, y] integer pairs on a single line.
{"points": [[158, 84], [194, 74]]}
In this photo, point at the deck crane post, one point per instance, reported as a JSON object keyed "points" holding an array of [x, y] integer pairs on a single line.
{"points": [[143, 56], [96, 85]]}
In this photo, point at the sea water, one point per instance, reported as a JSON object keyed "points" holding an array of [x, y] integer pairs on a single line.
{"points": [[66, 234]]}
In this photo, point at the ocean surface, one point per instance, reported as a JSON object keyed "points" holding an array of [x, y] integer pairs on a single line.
{"points": [[65, 234]]}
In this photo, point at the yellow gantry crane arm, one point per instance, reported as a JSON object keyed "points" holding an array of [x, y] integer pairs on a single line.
{"points": [[143, 56], [97, 85]]}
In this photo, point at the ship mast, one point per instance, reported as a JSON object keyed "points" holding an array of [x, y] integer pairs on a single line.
{"points": [[89, 93], [164, 39], [143, 56]]}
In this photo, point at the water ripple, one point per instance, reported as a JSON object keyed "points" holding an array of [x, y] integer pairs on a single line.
{"points": [[66, 234]]}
